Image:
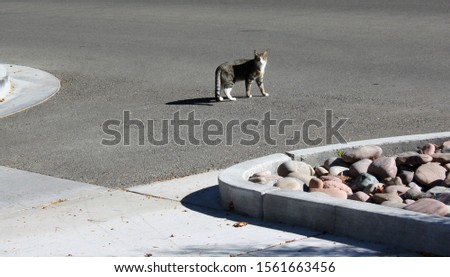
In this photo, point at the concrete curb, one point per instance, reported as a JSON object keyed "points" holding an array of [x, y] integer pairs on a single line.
{"points": [[5, 84], [374, 223], [30, 87]]}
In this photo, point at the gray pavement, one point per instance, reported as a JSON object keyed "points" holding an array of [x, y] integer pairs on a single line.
{"points": [[382, 64], [47, 216]]}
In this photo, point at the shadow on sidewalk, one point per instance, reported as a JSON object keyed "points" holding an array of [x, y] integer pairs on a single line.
{"points": [[207, 201]]}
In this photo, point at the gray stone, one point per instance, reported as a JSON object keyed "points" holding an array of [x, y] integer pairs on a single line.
{"points": [[334, 161], [409, 201], [428, 149], [258, 180], [359, 167], [394, 204], [381, 197], [441, 158], [428, 206], [413, 193], [359, 196], [444, 198], [320, 171], [447, 180], [447, 166], [431, 174], [406, 176], [295, 166], [338, 170], [364, 152], [446, 147], [362, 181], [417, 159], [289, 183], [437, 190], [266, 173], [384, 167], [305, 178]]}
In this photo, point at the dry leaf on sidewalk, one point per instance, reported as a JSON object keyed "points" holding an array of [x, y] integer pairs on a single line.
{"points": [[240, 224]]}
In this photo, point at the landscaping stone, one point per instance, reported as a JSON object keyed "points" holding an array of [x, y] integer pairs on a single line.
{"points": [[337, 185], [409, 201], [441, 158], [337, 193], [384, 167], [428, 149], [338, 170], [304, 178], [330, 178], [316, 183], [394, 204], [266, 173], [334, 161], [289, 183], [320, 171], [417, 159], [374, 188], [430, 175], [295, 166], [359, 196], [364, 152], [444, 198], [446, 147], [428, 206], [362, 181], [406, 176], [359, 167], [258, 180], [397, 189], [447, 166], [381, 197]]}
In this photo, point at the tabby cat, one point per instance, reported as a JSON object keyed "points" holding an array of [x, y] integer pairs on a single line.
{"points": [[227, 74]]}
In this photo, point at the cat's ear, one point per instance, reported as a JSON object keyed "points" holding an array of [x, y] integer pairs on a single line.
{"points": [[256, 53], [265, 54]]}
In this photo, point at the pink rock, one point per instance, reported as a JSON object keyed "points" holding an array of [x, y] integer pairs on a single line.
{"points": [[430, 175], [428, 206], [397, 189], [305, 178], [428, 149], [359, 167], [320, 171], [446, 147], [315, 183], [364, 152], [337, 185], [414, 159], [330, 178], [446, 166], [359, 196], [337, 193], [441, 157], [381, 197], [393, 204], [384, 167], [409, 201]]}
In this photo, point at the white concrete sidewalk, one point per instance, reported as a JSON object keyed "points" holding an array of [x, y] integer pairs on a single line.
{"points": [[47, 216]]}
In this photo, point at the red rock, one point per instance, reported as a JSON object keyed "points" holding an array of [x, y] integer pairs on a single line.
{"points": [[430, 175], [428, 206], [364, 152], [428, 149], [315, 183], [441, 157], [384, 167], [414, 159], [337, 185]]}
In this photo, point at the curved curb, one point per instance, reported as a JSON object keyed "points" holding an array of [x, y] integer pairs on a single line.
{"points": [[5, 84], [29, 87], [365, 221]]}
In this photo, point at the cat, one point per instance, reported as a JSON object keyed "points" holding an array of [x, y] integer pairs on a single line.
{"points": [[227, 74]]}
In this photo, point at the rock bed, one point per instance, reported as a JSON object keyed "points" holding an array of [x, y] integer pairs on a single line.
{"points": [[417, 181]]}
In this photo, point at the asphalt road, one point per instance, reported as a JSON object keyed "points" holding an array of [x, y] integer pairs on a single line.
{"points": [[384, 65]]}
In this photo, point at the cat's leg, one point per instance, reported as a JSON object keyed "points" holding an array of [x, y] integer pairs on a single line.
{"points": [[219, 95], [260, 83], [228, 93], [248, 87]]}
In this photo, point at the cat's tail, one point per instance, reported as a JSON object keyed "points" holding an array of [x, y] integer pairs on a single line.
{"points": [[218, 85]]}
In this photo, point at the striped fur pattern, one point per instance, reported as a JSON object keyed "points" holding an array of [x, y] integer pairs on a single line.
{"points": [[227, 74]]}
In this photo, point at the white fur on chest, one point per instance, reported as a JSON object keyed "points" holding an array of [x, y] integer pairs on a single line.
{"points": [[262, 65]]}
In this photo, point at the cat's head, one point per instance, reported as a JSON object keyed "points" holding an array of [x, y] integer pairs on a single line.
{"points": [[261, 57]]}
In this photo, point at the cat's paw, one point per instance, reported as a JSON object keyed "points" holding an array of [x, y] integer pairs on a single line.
{"points": [[266, 95], [233, 98], [249, 96]]}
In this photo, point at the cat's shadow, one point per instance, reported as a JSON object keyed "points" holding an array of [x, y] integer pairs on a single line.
{"points": [[202, 101]]}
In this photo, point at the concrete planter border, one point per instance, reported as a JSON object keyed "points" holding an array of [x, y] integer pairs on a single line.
{"points": [[370, 222]]}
